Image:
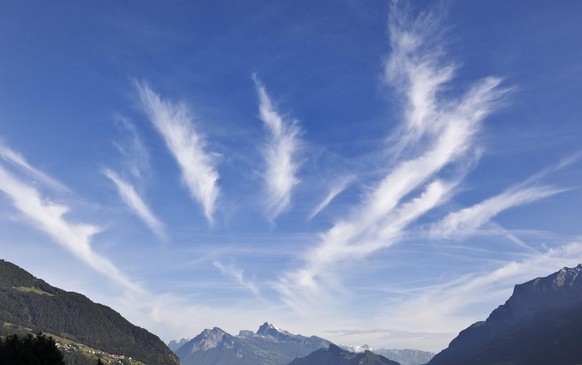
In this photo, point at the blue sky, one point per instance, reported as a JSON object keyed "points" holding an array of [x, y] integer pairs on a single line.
{"points": [[370, 172]]}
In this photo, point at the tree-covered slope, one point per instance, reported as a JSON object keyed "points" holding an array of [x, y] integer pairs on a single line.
{"points": [[32, 303]]}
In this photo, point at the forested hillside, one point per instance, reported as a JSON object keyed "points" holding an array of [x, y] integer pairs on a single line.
{"points": [[28, 302]]}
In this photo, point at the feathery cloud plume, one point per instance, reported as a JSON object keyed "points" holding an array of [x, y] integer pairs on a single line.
{"points": [[133, 201], [237, 275], [416, 68], [50, 218], [17, 159], [438, 132], [175, 124], [136, 156], [280, 154], [466, 221]]}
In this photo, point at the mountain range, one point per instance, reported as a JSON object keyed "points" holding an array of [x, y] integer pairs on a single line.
{"points": [[83, 329], [404, 356], [272, 345], [334, 355], [540, 324], [269, 345]]}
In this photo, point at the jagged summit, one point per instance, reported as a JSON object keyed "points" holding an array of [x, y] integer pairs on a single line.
{"points": [[562, 288], [564, 278], [269, 329], [568, 276], [357, 349], [174, 345], [266, 327], [207, 339], [269, 345], [210, 333]]}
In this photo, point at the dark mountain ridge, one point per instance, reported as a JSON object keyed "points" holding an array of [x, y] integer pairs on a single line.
{"points": [[30, 303], [334, 355], [540, 324], [403, 356]]}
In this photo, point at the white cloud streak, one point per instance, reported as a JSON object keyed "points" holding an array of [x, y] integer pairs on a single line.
{"points": [[469, 221], [440, 133], [136, 156], [50, 218], [416, 69], [175, 124], [237, 275], [466, 221], [335, 190], [133, 201], [17, 159], [280, 154]]}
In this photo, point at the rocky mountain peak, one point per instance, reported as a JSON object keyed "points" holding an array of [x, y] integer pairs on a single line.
{"points": [[568, 276], [268, 346], [268, 329], [207, 339], [565, 286], [174, 345], [540, 318]]}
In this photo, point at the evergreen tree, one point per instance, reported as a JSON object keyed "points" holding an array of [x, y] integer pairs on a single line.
{"points": [[30, 350]]}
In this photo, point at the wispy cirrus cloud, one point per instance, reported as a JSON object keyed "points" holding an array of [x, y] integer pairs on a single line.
{"points": [[280, 153], [417, 68], [441, 310], [237, 275], [18, 160], [135, 160], [132, 149], [437, 133], [50, 218], [134, 201], [162, 312], [176, 125], [334, 191], [466, 221], [470, 220]]}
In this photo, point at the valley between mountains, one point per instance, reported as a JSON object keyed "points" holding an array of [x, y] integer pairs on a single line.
{"points": [[540, 324]]}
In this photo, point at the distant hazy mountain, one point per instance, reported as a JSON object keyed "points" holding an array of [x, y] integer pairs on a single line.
{"points": [[175, 345], [268, 346], [404, 357], [540, 324], [30, 305], [336, 356]]}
